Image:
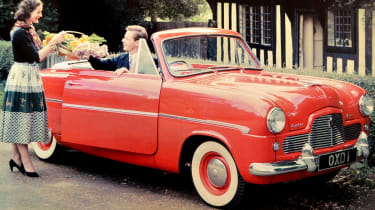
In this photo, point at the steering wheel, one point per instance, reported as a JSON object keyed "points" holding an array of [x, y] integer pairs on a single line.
{"points": [[180, 65]]}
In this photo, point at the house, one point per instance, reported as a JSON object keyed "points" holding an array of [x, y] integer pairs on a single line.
{"points": [[333, 35]]}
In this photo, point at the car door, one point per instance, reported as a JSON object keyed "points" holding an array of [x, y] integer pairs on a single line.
{"points": [[103, 110]]}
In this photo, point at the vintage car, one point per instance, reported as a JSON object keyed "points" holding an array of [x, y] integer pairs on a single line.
{"points": [[202, 104]]}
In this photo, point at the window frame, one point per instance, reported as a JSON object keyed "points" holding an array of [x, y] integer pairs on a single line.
{"points": [[245, 25], [340, 49]]}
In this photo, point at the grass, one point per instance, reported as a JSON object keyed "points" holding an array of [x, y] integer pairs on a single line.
{"points": [[2, 84]]}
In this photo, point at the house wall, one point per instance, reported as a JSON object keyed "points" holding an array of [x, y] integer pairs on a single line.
{"points": [[283, 54], [361, 61]]}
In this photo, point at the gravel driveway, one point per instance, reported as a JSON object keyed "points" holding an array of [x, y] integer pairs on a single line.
{"points": [[80, 181]]}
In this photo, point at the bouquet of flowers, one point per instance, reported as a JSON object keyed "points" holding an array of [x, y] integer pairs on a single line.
{"points": [[80, 46]]}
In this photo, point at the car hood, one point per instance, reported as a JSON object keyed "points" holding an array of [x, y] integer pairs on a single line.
{"points": [[299, 96]]}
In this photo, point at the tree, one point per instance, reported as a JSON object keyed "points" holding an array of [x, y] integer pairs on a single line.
{"points": [[171, 9], [7, 10], [50, 21]]}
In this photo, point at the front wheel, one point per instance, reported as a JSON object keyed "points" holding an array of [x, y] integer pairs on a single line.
{"points": [[46, 151], [215, 175]]}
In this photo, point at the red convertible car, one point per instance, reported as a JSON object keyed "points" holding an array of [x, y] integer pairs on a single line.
{"points": [[202, 104]]}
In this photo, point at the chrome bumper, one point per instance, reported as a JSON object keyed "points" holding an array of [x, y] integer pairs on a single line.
{"points": [[306, 162]]}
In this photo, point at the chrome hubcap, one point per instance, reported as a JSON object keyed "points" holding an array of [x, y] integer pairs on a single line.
{"points": [[217, 172]]}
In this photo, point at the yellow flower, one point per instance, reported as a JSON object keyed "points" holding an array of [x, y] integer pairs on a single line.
{"points": [[82, 39], [69, 36], [74, 43]]}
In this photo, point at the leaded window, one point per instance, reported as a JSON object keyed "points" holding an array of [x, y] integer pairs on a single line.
{"points": [[255, 23], [340, 28]]}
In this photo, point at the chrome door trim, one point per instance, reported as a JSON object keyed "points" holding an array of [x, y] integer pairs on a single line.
{"points": [[54, 100], [243, 129], [112, 110]]}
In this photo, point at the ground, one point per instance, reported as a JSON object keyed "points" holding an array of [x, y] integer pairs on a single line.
{"points": [[81, 181]]}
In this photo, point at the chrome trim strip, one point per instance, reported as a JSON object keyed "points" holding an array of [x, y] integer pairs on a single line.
{"points": [[103, 109], [243, 129], [54, 100]]}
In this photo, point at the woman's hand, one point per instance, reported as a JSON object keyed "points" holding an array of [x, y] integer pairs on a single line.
{"points": [[58, 38]]}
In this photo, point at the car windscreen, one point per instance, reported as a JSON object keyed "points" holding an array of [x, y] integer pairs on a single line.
{"points": [[186, 56]]}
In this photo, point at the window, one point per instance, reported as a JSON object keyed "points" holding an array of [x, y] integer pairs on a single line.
{"points": [[340, 29], [145, 62], [191, 55], [256, 24]]}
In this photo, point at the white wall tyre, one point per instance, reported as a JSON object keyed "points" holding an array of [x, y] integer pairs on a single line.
{"points": [[215, 176], [46, 151]]}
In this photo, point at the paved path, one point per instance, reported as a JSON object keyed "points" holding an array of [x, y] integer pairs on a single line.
{"points": [[80, 181]]}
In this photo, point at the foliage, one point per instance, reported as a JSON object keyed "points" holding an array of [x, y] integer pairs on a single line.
{"points": [[366, 82], [360, 174], [94, 38], [174, 10], [204, 13], [351, 3], [6, 14], [50, 19], [6, 58]]}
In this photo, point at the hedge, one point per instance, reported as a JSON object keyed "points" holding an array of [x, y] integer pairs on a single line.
{"points": [[366, 82], [6, 58]]}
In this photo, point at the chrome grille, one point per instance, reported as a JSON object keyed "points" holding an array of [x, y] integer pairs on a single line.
{"points": [[327, 131], [352, 131]]}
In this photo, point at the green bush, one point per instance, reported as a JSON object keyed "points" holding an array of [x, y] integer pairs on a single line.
{"points": [[366, 82], [6, 58]]}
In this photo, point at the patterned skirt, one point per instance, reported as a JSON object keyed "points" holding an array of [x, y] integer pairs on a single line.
{"points": [[23, 117]]}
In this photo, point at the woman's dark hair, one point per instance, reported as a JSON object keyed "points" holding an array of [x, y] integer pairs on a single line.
{"points": [[25, 8]]}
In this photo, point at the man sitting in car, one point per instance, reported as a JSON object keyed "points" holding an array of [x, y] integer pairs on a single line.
{"points": [[126, 61]]}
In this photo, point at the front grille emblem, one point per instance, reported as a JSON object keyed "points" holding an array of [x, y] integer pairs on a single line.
{"points": [[330, 122]]}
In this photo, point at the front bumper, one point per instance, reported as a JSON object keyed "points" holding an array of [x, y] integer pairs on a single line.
{"points": [[306, 162]]}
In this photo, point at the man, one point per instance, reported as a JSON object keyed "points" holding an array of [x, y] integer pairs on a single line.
{"points": [[126, 61]]}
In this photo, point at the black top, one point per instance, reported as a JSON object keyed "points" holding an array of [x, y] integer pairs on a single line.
{"points": [[23, 47]]}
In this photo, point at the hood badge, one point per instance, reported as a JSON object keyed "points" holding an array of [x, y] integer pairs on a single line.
{"points": [[348, 116], [297, 125]]}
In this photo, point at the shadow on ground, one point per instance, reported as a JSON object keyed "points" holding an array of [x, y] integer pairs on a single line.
{"points": [[337, 194]]}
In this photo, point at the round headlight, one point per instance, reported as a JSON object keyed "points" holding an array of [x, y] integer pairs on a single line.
{"points": [[275, 120], [366, 105]]}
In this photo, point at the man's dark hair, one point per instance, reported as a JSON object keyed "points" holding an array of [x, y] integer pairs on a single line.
{"points": [[141, 32]]}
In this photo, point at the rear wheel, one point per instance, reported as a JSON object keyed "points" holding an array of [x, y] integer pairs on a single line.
{"points": [[47, 151], [215, 175]]}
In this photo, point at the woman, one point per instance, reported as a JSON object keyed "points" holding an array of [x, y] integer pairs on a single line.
{"points": [[23, 117]]}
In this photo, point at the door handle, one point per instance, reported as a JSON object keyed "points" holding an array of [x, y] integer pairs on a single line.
{"points": [[71, 83]]}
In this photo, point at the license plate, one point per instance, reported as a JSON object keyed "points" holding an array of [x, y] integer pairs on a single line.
{"points": [[332, 160]]}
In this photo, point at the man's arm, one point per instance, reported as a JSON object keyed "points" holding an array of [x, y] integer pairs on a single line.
{"points": [[103, 64], [110, 64]]}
